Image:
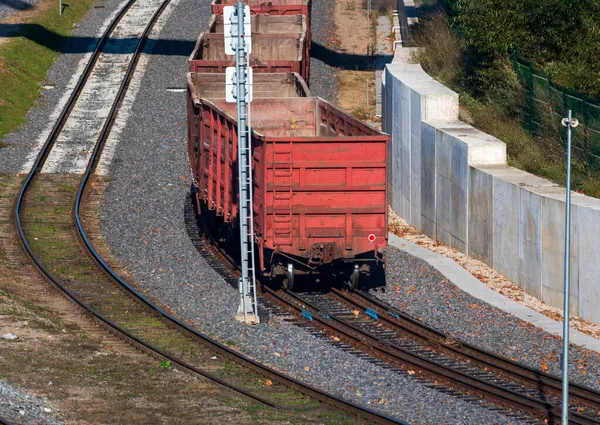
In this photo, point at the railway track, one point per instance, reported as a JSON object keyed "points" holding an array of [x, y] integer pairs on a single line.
{"points": [[395, 340], [402, 342], [579, 395], [399, 341], [48, 218]]}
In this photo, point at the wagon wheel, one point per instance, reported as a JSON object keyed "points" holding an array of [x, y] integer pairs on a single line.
{"points": [[355, 278], [288, 280]]}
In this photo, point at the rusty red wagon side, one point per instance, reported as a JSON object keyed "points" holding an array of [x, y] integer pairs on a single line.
{"points": [[273, 8], [267, 7], [320, 193], [278, 45]]}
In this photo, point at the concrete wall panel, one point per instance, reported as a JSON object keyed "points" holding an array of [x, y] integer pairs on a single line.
{"points": [[553, 249], [451, 181], [530, 242], [506, 228], [415, 161], [444, 209], [480, 215], [458, 217], [589, 261]]}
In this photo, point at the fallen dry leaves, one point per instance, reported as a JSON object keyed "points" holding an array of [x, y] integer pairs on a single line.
{"points": [[487, 275]]}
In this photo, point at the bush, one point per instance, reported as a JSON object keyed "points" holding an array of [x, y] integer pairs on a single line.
{"points": [[493, 100], [382, 5], [442, 54], [558, 36]]}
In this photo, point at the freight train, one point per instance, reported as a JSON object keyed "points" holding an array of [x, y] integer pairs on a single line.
{"points": [[319, 174]]}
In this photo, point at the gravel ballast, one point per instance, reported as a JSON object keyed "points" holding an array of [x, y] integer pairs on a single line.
{"points": [[22, 408], [26, 141], [420, 290], [323, 82], [143, 224]]}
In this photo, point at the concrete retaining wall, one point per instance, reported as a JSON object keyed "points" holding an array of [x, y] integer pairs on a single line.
{"points": [[452, 182]]}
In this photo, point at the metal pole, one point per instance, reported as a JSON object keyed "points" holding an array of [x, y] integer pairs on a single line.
{"points": [[242, 144], [570, 123], [367, 81], [252, 275], [60, 7]]}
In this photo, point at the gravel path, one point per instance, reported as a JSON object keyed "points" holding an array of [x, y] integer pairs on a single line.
{"points": [[418, 289], [322, 80], [24, 144], [22, 408], [143, 224]]}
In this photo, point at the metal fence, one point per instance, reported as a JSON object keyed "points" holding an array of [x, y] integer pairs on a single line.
{"points": [[403, 20], [547, 103]]}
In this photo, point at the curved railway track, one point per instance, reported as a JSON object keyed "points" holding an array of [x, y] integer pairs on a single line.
{"points": [[387, 334], [579, 395], [402, 342], [59, 247]]}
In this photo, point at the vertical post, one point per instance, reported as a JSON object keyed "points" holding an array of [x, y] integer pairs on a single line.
{"points": [[60, 7], [247, 310], [531, 84], [369, 9], [570, 123], [367, 91], [242, 145]]}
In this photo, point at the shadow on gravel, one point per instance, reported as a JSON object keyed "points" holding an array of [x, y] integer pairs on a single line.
{"points": [[346, 61], [16, 4], [70, 44]]}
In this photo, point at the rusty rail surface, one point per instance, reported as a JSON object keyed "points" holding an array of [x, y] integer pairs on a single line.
{"points": [[403, 357], [38, 165], [392, 317], [176, 324]]}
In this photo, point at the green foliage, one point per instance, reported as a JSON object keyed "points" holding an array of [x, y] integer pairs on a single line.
{"points": [[559, 36], [26, 58], [165, 364], [443, 56], [494, 99]]}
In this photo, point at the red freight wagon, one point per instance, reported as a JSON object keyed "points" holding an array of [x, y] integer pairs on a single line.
{"points": [[267, 7], [320, 192], [210, 85], [273, 8], [278, 45]]}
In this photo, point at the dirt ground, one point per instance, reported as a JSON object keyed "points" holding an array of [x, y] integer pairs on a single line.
{"points": [[90, 376], [354, 40], [84, 372]]}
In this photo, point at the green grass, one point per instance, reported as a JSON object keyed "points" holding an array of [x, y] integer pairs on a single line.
{"points": [[499, 111], [25, 60]]}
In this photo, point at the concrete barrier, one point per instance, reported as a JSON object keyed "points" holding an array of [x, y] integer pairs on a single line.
{"points": [[452, 182]]}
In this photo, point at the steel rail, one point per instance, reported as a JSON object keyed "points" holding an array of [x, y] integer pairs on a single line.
{"points": [[38, 165], [220, 255], [399, 320], [398, 355], [222, 349]]}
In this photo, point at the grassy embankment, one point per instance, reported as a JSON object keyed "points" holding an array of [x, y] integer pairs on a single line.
{"points": [[26, 57], [493, 99]]}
